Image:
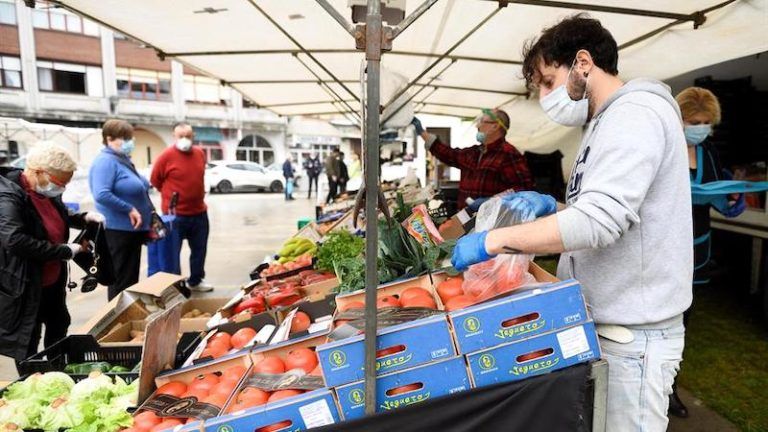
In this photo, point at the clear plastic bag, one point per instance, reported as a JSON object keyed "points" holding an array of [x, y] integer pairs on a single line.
{"points": [[505, 272]]}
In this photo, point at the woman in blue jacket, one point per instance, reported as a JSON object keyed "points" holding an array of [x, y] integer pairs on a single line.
{"points": [[121, 195]]}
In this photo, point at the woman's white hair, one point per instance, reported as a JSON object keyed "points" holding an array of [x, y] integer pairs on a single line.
{"points": [[46, 155]]}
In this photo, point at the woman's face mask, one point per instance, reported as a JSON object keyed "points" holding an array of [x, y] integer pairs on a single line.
{"points": [[562, 109], [127, 146], [696, 134], [50, 190]]}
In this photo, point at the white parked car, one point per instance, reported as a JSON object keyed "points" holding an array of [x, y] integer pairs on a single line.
{"points": [[230, 176]]}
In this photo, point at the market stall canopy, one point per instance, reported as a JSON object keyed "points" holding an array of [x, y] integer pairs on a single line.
{"points": [[272, 50]]}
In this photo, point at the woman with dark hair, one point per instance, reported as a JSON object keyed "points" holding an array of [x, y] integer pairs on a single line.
{"points": [[34, 231], [121, 194]]}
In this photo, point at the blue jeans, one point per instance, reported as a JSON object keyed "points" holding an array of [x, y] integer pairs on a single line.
{"points": [[640, 377], [195, 230]]}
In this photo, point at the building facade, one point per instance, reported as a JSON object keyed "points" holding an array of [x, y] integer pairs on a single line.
{"points": [[56, 67]]}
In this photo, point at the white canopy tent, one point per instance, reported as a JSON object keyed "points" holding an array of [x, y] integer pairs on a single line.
{"points": [[272, 50]]}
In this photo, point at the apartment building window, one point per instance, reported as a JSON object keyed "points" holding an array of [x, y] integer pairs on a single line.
{"points": [[10, 72], [7, 13], [61, 77], [143, 84], [205, 90], [57, 19]]}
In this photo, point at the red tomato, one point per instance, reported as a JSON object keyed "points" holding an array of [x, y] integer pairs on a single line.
{"points": [[218, 346], [146, 420], [301, 322], [353, 305], [199, 394], [282, 394], [168, 423], [132, 429], [221, 336], [173, 388], [422, 301], [270, 365], [403, 389], [216, 400], [242, 337], [274, 427], [253, 396], [204, 382], [301, 358], [387, 301], [412, 292], [224, 388], [233, 373], [459, 302], [450, 288]]}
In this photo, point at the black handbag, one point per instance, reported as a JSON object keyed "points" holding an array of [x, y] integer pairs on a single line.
{"points": [[97, 263]]}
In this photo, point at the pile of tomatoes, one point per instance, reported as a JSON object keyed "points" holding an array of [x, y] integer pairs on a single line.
{"points": [[279, 293], [299, 358], [210, 388], [222, 342], [451, 292]]}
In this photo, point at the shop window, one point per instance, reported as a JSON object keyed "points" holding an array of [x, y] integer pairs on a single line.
{"points": [[213, 150], [51, 18], [7, 13], [10, 72], [200, 89], [61, 77], [255, 148], [143, 84]]}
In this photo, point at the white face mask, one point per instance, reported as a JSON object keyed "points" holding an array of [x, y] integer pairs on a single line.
{"points": [[564, 110], [184, 144], [50, 190]]}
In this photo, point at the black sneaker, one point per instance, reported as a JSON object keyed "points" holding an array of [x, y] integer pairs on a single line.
{"points": [[676, 406]]}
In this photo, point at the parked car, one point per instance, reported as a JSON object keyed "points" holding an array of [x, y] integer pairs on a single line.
{"points": [[231, 176], [278, 168]]}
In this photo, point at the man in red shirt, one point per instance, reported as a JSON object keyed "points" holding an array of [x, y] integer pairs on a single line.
{"points": [[489, 168], [180, 169]]}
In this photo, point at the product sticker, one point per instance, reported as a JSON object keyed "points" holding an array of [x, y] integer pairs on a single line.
{"points": [[573, 341], [316, 414]]}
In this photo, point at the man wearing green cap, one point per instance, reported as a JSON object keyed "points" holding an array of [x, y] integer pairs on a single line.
{"points": [[489, 168]]}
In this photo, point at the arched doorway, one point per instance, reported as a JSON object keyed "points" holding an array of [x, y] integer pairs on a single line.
{"points": [[148, 147], [255, 148]]}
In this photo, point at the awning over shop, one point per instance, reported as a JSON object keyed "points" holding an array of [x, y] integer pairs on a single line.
{"points": [[462, 55]]}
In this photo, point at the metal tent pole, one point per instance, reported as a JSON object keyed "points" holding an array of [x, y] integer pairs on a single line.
{"points": [[373, 42]]}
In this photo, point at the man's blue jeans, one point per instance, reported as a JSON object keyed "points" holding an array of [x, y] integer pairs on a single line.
{"points": [[195, 230]]}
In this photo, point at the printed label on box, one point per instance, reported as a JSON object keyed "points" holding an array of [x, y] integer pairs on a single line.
{"points": [[316, 414], [573, 342]]}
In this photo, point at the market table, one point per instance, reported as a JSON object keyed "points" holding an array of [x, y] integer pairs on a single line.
{"points": [[571, 399]]}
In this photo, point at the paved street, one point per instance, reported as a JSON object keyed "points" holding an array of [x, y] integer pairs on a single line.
{"points": [[247, 227]]}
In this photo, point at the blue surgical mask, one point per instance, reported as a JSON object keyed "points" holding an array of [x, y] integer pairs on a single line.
{"points": [[127, 146], [696, 134], [480, 137]]}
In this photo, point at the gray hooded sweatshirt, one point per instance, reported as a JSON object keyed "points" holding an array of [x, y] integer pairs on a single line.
{"points": [[627, 228]]}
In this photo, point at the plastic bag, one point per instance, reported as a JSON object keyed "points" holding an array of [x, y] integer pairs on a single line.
{"points": [[505, 272]]}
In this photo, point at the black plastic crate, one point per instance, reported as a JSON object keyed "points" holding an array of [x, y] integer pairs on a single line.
{"points": [[79, 349]]}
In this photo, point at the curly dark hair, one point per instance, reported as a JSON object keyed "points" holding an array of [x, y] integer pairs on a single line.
{"points": [[559, 44]]}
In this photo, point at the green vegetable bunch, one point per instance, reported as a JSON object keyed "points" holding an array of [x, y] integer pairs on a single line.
{"points": [[338, 245]]}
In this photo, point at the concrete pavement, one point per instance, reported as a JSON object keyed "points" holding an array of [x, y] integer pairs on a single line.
{"points": [[247, 227]]}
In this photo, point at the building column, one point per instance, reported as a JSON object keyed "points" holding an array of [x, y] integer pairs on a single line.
{"points": [[108, 69], [177, 90], [28, 56]]}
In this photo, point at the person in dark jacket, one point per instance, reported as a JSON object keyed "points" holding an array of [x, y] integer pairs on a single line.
{"points": [[700, 110], [34, 234], [288, 174], [332, 169], [313, 167], [343, 174]]}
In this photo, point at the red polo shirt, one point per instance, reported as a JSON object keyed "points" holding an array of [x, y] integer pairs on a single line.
{"points": [[182, 172]]}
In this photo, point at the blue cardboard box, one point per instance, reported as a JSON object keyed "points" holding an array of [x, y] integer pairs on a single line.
{"points": [[526, 313], [428, 382], [314, 409], [534, 356], [409, 344]]}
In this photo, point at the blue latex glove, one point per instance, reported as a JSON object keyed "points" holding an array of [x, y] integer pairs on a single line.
{"points": [[530, 205], [737, 208], [469, 250], [475, 206], [417, 125]]}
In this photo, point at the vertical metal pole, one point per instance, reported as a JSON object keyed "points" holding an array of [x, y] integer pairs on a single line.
{"points": [[373, 56]]}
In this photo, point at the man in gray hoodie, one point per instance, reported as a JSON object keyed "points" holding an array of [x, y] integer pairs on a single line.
{"points": [[625, 230]]}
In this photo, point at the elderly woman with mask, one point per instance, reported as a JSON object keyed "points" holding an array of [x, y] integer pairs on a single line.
{"points": [[34, 233]]}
